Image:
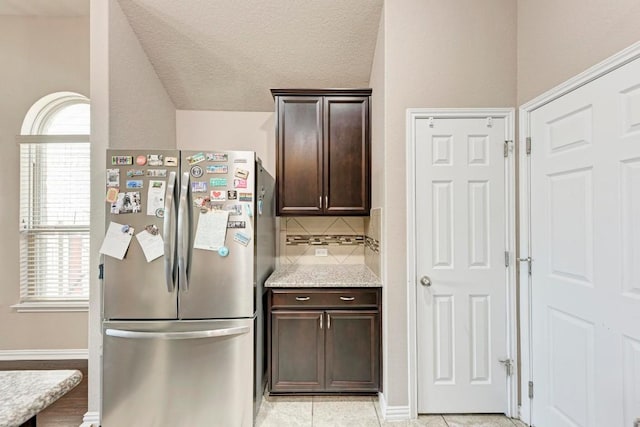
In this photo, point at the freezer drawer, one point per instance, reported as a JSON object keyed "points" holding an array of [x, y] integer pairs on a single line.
{"points": [[180, 373]]}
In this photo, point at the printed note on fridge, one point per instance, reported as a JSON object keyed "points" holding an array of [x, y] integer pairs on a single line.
{"points": [[116, 240], [212, 230]]}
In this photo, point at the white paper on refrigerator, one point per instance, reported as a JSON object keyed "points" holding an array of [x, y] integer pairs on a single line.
{"points": [[155, 198], [116, 240], [212, 230], [152, 245]]}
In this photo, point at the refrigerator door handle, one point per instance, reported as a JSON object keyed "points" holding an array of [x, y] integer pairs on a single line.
{"points": [[188, 335], [168, 235], [183, 233]]}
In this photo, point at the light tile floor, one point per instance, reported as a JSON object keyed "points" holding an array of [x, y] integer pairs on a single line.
{"points": [[356, 411]]}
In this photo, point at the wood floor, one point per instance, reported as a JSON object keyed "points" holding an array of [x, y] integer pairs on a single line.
{"points": [[69, 409]]}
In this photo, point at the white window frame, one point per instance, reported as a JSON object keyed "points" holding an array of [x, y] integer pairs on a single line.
{"points": [[33, 126]]}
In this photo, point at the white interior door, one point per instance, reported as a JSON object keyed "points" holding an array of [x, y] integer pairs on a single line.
{"points": [[585, 228], [460, 245]]}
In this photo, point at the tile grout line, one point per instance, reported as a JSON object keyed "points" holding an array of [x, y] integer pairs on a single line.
{"points": [[376, 412], [313, 403]]}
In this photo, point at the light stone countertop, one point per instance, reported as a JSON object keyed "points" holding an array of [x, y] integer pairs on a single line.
{"points": [[26, 393], [323, 276]]}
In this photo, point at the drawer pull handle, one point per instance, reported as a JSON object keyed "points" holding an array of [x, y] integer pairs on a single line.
{"points": [[303, 298], [347, 298]]}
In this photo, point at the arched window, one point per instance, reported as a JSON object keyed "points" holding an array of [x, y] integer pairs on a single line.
{"points": [[55, 203]]}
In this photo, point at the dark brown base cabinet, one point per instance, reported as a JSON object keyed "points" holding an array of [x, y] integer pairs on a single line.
{"points": [[324, 341]]}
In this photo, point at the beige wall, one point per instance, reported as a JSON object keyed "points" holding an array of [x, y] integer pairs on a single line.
{"points": [[228, 130], [39, 56], [458, 53], [141, 114], [559, 39], [377, 85]]}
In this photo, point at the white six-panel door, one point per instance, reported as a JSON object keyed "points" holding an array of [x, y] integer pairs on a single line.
{"points": [[460, 243], [585, 243]]}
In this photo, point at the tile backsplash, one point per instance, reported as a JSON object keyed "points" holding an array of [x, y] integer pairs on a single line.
{"points": [[338, 240], [341, 237]]}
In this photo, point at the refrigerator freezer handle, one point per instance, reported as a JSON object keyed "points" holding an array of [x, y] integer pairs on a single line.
{"points": [[168, 235], [188, 335], [183, 232]]}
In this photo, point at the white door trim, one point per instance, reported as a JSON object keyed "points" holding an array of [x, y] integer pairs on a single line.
{"points": [[616, 61], [424, 113]]}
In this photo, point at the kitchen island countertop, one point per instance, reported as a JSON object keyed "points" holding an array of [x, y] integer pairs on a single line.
{"points": [[25, 393], [323, 276]]}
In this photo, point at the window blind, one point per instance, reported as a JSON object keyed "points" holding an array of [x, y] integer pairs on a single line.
{"points": [[54, 217]]}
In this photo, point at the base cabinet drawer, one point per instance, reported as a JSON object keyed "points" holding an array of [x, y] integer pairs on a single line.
{"points": [[330, 350]]}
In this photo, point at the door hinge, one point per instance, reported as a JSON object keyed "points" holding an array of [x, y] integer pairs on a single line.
{"points": [[508, 365], [528, 145], [528, 260], [506, 259], [530, 389]]}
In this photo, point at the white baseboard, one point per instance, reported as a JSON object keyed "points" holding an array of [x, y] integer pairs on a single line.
{"points": [[393, 413], [63, 354], [91, 419]]}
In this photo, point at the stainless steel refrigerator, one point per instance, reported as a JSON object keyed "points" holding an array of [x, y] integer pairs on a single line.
{"points": [[183, 333]]}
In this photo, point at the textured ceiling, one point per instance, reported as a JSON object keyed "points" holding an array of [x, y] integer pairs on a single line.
{"points": [[44, 7], [227, 54]]}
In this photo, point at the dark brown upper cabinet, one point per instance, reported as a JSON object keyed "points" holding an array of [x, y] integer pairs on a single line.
{"points": [[323, 151]]}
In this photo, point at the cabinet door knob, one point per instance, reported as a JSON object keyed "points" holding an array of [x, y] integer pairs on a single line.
{"points": [[347, 298], [303, 298]]}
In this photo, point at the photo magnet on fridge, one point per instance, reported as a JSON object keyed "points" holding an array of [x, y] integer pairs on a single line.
{"points": [[217, 157], [219, 169], [218, 182], [196, 171], [112, 195], [241, 238], [155, 159], [157, 173], [218, 195], [234, 210], [121, 160], [113, 177], [134, 183], [241, 173], [239, 183], [196, 158], [129, 202], [135, 172], [198, 187], [237, 224]]}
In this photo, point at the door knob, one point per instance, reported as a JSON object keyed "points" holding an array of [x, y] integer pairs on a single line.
{"points": [[425, 281]]}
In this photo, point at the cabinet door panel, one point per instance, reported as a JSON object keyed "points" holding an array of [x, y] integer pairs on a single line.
{"points": [[352, 351], [346, 127], [299, 154], [297, 351]]}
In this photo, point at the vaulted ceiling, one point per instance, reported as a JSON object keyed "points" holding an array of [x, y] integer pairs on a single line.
{"points": [[227, 54]]}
